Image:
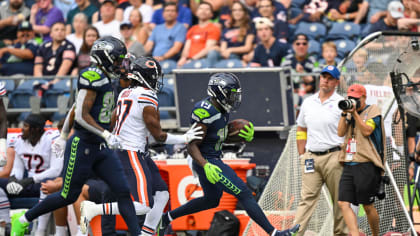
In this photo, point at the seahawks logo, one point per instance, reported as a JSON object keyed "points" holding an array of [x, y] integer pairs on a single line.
{"points": [[103, 46]]}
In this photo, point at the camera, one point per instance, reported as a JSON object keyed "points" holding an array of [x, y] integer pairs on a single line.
{"points": [[347, 104], [381, 190]]}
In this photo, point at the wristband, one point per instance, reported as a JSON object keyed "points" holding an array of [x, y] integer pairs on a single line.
{"points": [[301, 135], [343, 114], [175, 139], [106, 134]]}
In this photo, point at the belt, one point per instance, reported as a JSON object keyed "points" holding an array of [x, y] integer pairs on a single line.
{"points": [[334, 149]]}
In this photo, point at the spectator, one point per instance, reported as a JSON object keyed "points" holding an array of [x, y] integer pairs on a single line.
{"points": [[237, 39], [43, 16], [79, 24], [377, 10], [300, 61], [56, 56], [350, 10], [145, 10], [389, 23], [108, 26], [313, 10], [83, 6], [269, 51], [167, 39], [90, 35], [133, 46], [11, 14], [214, 4], [329, 54], [201, 38], [19, 59], [267, 9], [65, 6], [141, 31], [363, 129], [409, 21], [184, 15]]}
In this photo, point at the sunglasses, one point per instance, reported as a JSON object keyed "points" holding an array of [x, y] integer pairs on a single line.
{"points": [[303, 44]]}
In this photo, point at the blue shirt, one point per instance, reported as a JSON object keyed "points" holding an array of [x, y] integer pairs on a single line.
{"points": [[381, 26], [184, 16], [270, 57], [93, 78], [165, 38], [216, 122]]}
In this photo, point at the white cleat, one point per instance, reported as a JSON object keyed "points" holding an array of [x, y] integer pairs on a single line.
{"points": [[86, 215]]}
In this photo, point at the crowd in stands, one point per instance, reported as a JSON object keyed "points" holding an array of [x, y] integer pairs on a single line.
{"points": [[53, 38]]}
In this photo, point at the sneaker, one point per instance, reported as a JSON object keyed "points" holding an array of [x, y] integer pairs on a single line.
{"points": [[86, 215], [18, 228], [288, 232], [163, 224]]}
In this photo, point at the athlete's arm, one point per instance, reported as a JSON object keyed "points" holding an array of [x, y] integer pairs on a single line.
{"points": [[194, 150], [68, 122], [7, 169], [113, 119], [18, 168], [56, 165], [85, 100], [152, 120]]}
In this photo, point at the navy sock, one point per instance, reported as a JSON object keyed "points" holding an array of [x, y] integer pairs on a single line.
{"points": [[126, 207]]}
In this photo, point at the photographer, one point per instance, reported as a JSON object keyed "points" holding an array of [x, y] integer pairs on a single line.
{"points": [[362, 126]]}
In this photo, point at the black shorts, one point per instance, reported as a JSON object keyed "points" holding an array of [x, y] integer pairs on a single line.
{"points": [[359, 183]]}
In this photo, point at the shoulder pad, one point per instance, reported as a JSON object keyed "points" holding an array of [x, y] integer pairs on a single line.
{"points": [[201, 113], [92, 77]]}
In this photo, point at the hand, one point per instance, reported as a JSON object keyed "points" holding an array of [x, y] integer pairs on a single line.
{"points": [[14, 188], [225, 54], [194, 133], [299, 68], [111, 140], [334, 14], [182, 61], [375, 17], [159, 58], [212, 172], [34, 9], [59, 146], [248, 133], [49, 187]]}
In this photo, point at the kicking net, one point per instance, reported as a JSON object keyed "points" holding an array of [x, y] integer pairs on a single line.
{"points": [[369, 64]]}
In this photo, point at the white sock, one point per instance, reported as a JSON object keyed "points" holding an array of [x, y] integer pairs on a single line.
{"points": [[170, 217], [60, 230], [112, 208], [43, 223], [153, 217], [79, 232]]}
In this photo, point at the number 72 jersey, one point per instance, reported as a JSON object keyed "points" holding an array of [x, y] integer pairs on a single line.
{"points": [[205, 113]]}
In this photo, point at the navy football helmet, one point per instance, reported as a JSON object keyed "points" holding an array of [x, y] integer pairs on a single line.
{"points": [[226, 89], [146, 71], [108, 53]]}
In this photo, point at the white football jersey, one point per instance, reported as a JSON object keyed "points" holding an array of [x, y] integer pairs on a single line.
{"points": [[34, 159], [130, 127], [2, 88]]}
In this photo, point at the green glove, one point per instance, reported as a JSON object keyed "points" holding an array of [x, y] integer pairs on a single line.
{"points": [[248, 133], [212, 172]]}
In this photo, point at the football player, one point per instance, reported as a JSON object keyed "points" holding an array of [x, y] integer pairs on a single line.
{"points": [[32, 154], [137, 117], [212, 114], [89, 149]]}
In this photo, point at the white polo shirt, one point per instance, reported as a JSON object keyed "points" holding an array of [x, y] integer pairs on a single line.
{"points": [[321, 120]]}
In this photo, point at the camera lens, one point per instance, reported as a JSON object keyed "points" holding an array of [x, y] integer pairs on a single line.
{"points": [[345, 104]]}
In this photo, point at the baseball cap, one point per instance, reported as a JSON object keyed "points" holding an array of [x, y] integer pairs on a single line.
{"points": [[356, 91], [396, 8], [263, 21], [300, 36], [25, 25], [332, 70], [126, 24], [111, 1]]}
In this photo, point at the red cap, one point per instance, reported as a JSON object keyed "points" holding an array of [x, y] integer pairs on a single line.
{"points": [[356, 91]]}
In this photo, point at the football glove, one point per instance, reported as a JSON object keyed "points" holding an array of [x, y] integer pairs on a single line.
{"points": [[247, 133], [111, 140], [3, 149], [212, 172], [59, 146], [14, 187], [193, 133]]}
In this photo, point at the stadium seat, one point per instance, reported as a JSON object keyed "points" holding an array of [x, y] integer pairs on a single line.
{"points": [[196, 64], [229, 63], [344, 30], [314, 48], [168, 66], [9, 84], [314, 31], [168, 82], [63, 85], [21, 95], [344, 47], [50, 97], [166, 99]]}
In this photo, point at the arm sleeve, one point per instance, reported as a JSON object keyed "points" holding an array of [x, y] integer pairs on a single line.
{"points": [[301, 118]]}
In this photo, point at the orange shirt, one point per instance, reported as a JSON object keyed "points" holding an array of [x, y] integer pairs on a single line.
{"points": [[199, 36]]}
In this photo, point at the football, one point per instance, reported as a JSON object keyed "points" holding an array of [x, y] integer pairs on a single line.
{"points": [[233, 130]]}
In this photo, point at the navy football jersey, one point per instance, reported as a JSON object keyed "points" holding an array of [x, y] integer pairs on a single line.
{"points": [[51, 60], [205, 113], [94, 79]]}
